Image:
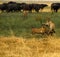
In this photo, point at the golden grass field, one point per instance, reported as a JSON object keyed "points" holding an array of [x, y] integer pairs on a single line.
{"points": [[31, 47]]}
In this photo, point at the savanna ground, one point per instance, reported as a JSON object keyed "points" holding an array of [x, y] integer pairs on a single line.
{"points": [[16, 39]]}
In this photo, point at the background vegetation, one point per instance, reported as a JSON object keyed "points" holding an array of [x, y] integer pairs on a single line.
{"points": [[19, 25]]}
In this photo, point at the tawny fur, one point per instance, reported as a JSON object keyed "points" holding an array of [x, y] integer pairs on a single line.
{"points": [[39, 30]]}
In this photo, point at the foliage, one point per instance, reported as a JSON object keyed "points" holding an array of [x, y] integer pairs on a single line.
{"points": [[16, 24]]}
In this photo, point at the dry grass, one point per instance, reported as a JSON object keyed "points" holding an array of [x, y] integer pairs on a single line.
{"points": [[32, 47], [46, 10]]}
